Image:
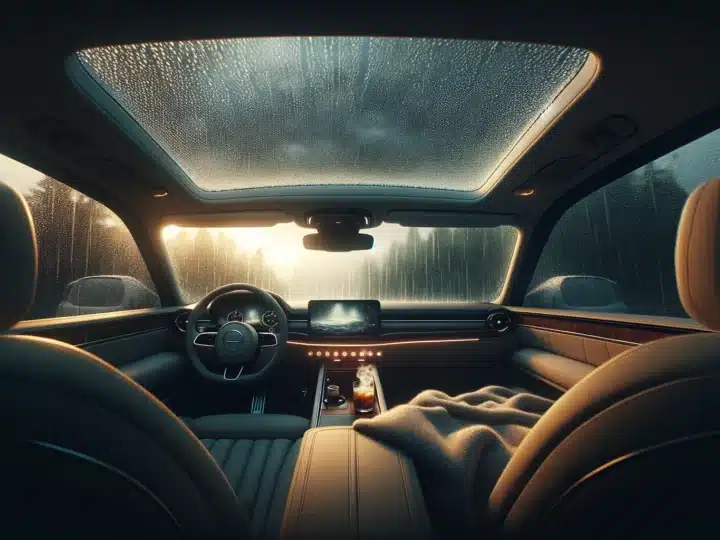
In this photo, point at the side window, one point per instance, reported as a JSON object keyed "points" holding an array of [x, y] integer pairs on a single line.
{"points": [[88, 261], [614, 250]]}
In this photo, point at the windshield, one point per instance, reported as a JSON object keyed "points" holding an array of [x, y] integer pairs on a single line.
{"points": [[406, 264]]}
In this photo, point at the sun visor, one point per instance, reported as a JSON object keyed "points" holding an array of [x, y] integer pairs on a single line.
{"points": [[418, 218]]}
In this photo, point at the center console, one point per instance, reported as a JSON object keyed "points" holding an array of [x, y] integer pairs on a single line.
{"points": [[346, 485]]}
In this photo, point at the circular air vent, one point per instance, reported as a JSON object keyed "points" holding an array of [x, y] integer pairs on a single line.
{"points": [[498, 321], [181, 320]]}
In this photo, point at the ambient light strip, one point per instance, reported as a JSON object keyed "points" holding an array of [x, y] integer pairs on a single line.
{"points": [[386, 344], [366, 349]]}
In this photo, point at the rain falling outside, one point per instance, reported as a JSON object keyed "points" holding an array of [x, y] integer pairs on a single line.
{"points": [[405, 265], [624, 232], [79, 238], [297, 111]]}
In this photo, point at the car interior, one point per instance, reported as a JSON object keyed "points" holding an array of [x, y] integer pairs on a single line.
{"points": [[291, 274]]}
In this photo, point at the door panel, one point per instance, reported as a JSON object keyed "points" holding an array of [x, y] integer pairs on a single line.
{"points": [[143, 344], [591, 351], [559, 347], [554, 370], [158, 371], [126, 349], [619, 327]]}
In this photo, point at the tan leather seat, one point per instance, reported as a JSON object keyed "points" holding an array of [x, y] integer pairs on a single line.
{"points": [[634, 447]]}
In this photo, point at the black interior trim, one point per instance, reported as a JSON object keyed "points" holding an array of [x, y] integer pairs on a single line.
{"points": [[27, 326], [319, 391], [379, 393], [96, 329]]}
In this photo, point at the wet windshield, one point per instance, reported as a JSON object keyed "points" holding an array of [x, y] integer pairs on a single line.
{"points": [[407, 264]]}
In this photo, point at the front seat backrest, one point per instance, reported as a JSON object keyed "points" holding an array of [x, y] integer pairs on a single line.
{"points": [[84, 449], [634, 446]]}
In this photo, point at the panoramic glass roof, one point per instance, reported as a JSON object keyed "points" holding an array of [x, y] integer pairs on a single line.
{"points": [[293, 111]]}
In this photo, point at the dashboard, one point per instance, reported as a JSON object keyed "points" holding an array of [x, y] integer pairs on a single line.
{"points": [[391, 334], [358, 321]]}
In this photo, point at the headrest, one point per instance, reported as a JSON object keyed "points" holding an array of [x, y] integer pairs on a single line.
{"points": [[18, 257], [697, 255]]}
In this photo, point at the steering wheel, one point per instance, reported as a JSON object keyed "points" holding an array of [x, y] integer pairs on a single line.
{"points": [[238, 347]]}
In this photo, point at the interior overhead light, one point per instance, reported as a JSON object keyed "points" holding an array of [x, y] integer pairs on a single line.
{"points": [[524, 192]]}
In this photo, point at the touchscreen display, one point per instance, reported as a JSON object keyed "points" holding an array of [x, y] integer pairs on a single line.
{"points": [[344, 317]]}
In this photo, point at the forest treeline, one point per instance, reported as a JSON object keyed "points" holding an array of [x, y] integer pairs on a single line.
{"points": [[624, 232]]}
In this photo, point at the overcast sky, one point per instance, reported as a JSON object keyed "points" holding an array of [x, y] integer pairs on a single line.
{"points": [[697, 162]]}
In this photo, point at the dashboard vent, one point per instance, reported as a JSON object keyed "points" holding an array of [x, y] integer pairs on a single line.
{"points": [[203, 325], [181, 320], [498, 321]]}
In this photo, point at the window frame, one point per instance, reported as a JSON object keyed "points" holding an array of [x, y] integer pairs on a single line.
{"points": [[136, 229], [536, 238]]}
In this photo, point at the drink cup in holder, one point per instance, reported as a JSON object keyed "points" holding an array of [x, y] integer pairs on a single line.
{"points": [[364, 394]]}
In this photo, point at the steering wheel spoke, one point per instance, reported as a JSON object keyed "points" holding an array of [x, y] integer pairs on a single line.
{"points": [[267, 339], [205, 339], [233, 373]]}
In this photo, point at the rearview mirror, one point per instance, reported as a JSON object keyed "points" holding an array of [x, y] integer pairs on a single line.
{"points": [[332, 242]]}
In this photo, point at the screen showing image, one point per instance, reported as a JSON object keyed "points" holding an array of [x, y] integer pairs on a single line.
{"points": [[344, 317]]}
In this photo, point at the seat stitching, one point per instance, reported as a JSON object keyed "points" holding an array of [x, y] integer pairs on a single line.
{"points": [[245, 465], [607, 350], [406, 487], [280, 468], [235, 484], [226, 460], [214, 450], [262, 475], [306, 449], [291, 443], [212, 443]]}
